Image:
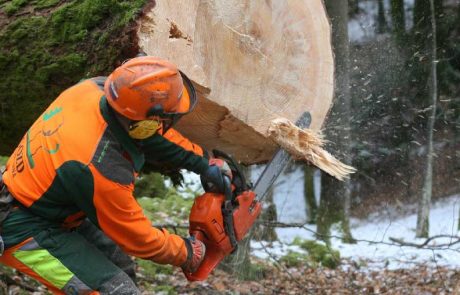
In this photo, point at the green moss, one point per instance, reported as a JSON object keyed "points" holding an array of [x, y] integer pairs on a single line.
{"points": [[165, 289], [173, 208], [167, 206], [319, 253], [150, 185], [46, 3], [42, 55], [157, 272], [151, 269], [294, 259], [254, 272], [3, 160], [12, 7]]}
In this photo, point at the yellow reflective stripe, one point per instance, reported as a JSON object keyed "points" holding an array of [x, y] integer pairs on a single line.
{"points": [[45, 265]]}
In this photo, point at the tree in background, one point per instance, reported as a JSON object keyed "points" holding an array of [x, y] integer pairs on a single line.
{"points": [[354, 7], [423, 213], [382, 25], [336, 196], [309, 194], [398, 20]]}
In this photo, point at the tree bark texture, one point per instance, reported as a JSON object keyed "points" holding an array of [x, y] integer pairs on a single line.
{"points": [[423, 216], [309, 194], [335, 196], [381, 19], [398, 20]]}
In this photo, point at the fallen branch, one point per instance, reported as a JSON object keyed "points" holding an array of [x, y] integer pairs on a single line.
{"points": [[427, 241], [394, 241], [423, 245], [172, 226]]}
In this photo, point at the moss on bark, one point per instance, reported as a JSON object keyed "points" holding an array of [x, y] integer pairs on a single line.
{"points": [[48, 45]]}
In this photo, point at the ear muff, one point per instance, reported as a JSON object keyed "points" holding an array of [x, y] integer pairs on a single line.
{"points": [[144, 129]]}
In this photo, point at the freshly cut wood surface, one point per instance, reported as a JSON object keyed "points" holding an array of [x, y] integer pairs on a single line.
{"points": [[307, 145], [251, 61]]}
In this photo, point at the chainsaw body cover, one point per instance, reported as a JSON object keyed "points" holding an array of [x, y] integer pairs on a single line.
{"points": [[207, 225]]}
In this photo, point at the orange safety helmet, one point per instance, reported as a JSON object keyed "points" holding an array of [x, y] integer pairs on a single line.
{"points": [[148, 87]]}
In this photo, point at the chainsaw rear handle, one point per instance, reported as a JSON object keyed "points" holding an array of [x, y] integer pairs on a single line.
{"points": [[227, 187]]}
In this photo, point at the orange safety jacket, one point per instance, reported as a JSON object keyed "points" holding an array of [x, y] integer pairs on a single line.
{"points": [[76, 161]]}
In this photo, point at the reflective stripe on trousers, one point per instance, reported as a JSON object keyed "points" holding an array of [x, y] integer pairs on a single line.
{"points": [[83, 261]]}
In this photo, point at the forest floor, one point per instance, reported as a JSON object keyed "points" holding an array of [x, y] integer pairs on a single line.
{"points": [[305, 280], [371, 266], [280, 279]]}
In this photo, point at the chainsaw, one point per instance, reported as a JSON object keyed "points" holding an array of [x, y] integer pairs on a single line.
{"points": [[220, 221]]}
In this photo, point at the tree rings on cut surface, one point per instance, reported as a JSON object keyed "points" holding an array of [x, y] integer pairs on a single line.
{"points": [[251, 62]]}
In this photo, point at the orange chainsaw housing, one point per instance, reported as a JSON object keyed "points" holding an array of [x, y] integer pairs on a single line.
{"points": [[207, 225]]}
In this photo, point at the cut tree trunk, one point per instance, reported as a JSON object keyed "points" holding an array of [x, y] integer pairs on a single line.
{"points": [[251, 62]]}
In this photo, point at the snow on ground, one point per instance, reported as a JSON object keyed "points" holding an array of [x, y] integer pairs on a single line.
{"points": [[289, 200], [443, 221], [288, 197], [375, 250]]}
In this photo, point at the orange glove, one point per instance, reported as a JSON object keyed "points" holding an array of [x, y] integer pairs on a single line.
{"points": [[195, 254]]}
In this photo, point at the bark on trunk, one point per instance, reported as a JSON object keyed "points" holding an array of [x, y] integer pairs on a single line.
{"points": [[309, 194], [382, 22], [398, 20], [335, 197], [423, 216]]}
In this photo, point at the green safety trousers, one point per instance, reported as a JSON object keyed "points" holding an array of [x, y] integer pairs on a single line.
{"points": [[78, 261]]}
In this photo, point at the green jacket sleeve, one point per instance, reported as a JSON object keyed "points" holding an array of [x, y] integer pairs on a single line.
{"points": [[175, 152]]}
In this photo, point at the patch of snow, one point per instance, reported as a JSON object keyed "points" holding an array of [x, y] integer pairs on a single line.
{"points": [[288, 192], [375, 230], [363, 26], [192, 184], [377, 249]]}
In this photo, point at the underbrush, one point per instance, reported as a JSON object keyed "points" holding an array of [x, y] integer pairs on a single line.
{"points": [[316, 254]]}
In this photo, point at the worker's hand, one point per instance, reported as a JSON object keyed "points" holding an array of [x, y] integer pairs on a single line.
{"points": [[213, 179], [195, 254]]}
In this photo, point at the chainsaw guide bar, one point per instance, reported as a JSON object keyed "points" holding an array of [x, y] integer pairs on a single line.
{"points": [[277, 164], [221, 220]]}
